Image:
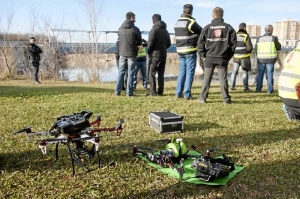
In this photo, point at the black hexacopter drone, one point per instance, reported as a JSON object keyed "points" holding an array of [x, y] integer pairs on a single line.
{"points": [[72, 131]]}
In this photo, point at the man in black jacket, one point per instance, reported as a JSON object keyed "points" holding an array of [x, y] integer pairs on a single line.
{"points": [[34, 57], [216, 46], [129, 41], [158, 42]]}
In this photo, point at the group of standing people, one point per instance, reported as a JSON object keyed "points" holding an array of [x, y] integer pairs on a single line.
{"points": [[130, 46], [215, 44]]}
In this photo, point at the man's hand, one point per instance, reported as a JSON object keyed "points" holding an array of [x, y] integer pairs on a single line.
{"points": [[202, 61]]}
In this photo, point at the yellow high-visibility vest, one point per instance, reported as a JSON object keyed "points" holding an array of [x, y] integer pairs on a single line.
{"points": [[142, 52], [241, 48], [290, 75], [266, 48]]}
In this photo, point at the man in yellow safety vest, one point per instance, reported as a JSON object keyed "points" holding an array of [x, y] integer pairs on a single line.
{"points": [[289, 85], [266, 51]]}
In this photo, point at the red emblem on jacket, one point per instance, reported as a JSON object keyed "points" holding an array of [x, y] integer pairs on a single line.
{"points": [[217, 33]]}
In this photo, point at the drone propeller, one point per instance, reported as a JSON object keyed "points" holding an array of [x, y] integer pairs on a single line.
{"points": [[119, 128], [164, 140], [119, 125], [97, 120], [98, 117], [26, 129], [87, 114]]}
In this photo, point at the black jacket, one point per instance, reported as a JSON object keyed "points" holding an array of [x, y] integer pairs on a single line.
{"points": [[217, 41], [129, 39], [187, 32], [34, 52], [158, 40]]}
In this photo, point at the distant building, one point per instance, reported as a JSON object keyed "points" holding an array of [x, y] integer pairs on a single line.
{"points": [[287, 29], [253, 30]]}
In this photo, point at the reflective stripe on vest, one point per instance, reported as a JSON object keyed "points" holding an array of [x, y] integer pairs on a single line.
{"points": [[266, 48], [142, 52], [241, 49], [190, 25], [186, 37], [186, 49], [290, 75]]}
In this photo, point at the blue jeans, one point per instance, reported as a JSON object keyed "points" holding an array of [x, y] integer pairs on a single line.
{"points": [[140, 65], [234, 73], [270, 80], [123, 63], [186, 75]]}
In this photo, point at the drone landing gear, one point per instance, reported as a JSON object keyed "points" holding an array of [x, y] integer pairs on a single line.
{"points": [[78, 154]]}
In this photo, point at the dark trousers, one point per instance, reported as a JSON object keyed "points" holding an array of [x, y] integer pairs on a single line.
{"points": [[293, 107], [157, 65], [36, 68], [222, 73]]}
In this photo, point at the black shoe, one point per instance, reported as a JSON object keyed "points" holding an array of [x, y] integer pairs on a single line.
{"points": [[118, 94], [229, 102], [247, 90]]}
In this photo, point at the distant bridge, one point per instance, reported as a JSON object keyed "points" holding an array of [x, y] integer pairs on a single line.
{"points": [[71, 48]]}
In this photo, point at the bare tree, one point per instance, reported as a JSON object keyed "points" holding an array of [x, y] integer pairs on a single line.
{"points": [[6, 51], [91, 63], [93, 8], [33, 18]]}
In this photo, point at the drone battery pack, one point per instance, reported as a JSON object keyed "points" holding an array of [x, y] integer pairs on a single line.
{"points": [[166, 122]]}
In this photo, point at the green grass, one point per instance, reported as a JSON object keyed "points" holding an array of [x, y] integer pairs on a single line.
{"points": [[254, 131]]}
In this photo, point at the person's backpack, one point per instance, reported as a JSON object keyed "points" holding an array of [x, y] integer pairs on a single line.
{"points": [[246, 64]]}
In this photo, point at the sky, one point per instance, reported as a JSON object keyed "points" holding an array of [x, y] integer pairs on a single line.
{"points": [[72, 14]]}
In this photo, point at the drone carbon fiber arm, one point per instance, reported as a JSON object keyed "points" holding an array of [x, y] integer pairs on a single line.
{"points": [[118, 129], [29, 133]]}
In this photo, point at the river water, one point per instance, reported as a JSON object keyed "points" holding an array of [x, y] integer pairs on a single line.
{"points": [[108, 72]]}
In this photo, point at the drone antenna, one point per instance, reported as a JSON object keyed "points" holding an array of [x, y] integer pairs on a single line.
{"points": [[172, 139]]}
